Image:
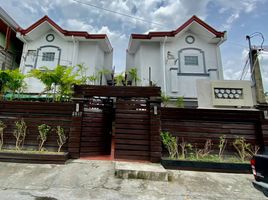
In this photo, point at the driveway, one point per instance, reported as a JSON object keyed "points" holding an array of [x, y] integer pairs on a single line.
{"points": [[95, 180]]}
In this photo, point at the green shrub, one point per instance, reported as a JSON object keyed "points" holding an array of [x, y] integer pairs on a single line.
{"points": [[170, 142]]}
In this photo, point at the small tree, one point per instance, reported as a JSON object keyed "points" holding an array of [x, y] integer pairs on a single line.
{"points": [[241, 147], [133, 73], [184, 147], [2, 127], [62, 138], [206, 150], [20, 133], [222, 146], [13, 81], [44, 130]]}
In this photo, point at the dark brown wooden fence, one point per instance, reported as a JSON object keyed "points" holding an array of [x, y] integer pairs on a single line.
{"points": [[34, 114], [96, 127], [116, 91], [197, 125]]}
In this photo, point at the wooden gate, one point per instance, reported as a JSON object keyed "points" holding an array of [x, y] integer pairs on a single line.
{"points": [[132, 129], [137, 121], [96, 127]]}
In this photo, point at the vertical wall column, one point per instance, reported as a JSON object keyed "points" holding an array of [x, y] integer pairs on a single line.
{"points": [[155, 126]]}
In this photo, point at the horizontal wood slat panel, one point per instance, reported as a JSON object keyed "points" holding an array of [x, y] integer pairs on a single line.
{"points": [[198, 125]]}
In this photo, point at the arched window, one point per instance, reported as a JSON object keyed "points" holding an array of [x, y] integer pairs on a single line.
{"points": [[191, 62], [48, 56]]}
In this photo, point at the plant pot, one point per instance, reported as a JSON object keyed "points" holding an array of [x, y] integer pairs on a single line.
{"points": [[30, 157], [206, 166]]}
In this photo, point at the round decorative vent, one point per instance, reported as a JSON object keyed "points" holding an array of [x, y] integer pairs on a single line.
{"points": [[50, 37], [190, 39]]}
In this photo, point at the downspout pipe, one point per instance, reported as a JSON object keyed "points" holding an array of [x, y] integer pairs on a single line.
{"points": [[218, 56], [164, 64], [73, 51]]}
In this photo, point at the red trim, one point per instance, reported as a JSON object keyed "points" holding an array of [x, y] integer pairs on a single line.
{"points": [[174, 32], [64, 32]]}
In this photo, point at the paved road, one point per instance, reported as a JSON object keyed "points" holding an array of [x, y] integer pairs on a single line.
{"points": [[95, 180]]}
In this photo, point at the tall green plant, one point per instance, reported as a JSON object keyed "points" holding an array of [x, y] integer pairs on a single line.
{"points": [[120, 79], [4, 79], [2, 127], [58, 81], [44, 130], [170, 143], [133, 73], [20, 133], [12, 81], [82, 71]]}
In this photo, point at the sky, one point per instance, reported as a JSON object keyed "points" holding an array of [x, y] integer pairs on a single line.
{"points": [[238, 17]]}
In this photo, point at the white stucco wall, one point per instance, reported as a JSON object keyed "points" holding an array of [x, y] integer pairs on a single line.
{"points": [[70, 53], [150, 58], [154, 55]]}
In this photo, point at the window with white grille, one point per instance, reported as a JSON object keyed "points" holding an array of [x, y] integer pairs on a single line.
{"points": [[191, 60], [48, 56]]}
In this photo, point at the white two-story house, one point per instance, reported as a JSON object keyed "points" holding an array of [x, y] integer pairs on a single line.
{"points": [[47, 44], [174, 60]]}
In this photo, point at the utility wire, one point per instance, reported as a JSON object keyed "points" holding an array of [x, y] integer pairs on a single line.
{"points": [[119, 13]]}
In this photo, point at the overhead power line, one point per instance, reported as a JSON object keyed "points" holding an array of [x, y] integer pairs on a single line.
{"points": [[119, 13]]}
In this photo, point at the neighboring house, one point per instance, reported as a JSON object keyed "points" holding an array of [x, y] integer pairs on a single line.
{"points": [[47, 44], [10, 45], [175, 60]]}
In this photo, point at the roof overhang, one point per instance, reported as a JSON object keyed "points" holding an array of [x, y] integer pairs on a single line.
{"points": [[8, 20], [45, 24], [194, 25]]}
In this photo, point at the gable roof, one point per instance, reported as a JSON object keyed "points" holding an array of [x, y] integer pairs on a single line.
{"points": [[179, 29], [64, 32]]}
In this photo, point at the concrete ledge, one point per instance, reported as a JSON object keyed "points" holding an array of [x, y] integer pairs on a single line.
{"points": [[147, 171]]}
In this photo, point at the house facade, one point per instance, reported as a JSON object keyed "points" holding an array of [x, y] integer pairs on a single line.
{"points": [[10, 45], [175, 60], [47, 44]]}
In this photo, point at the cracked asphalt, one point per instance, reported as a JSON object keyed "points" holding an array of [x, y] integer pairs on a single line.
{"points": [[95, 180]]}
